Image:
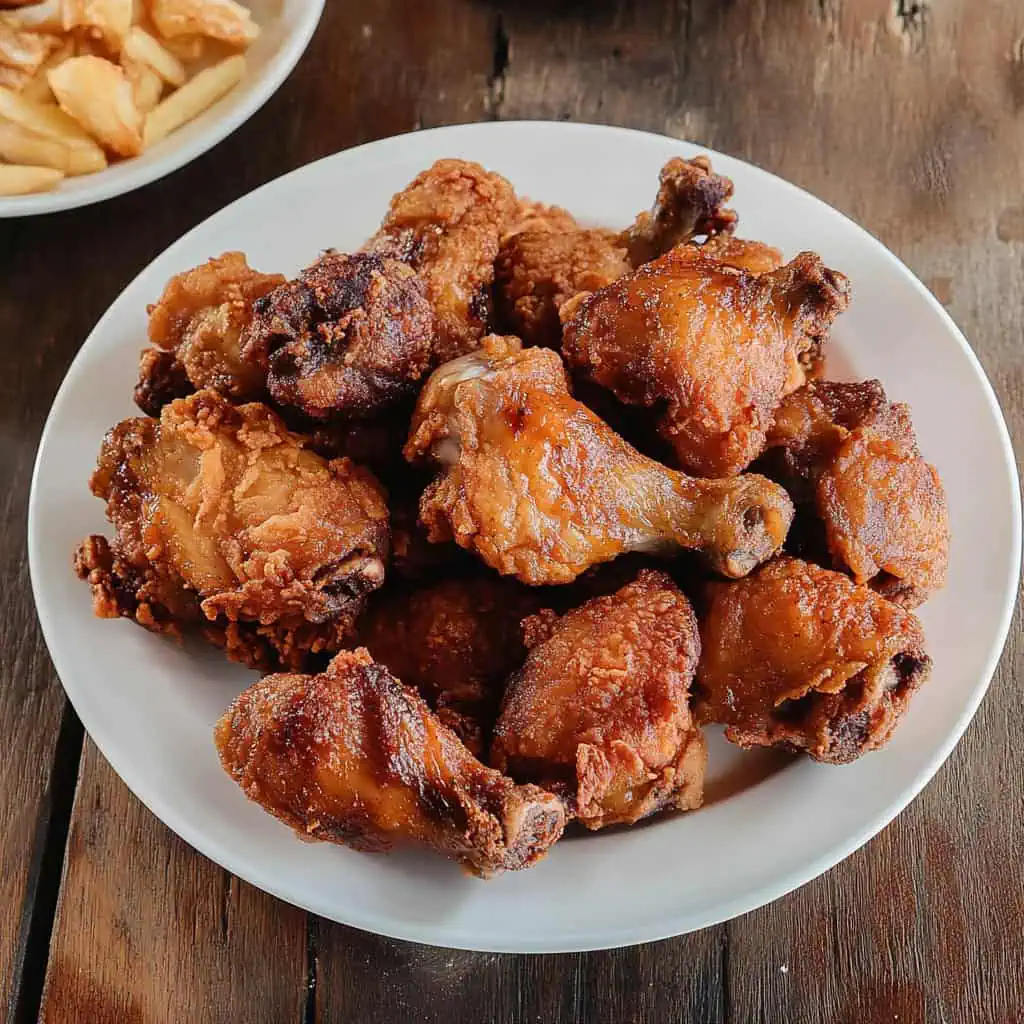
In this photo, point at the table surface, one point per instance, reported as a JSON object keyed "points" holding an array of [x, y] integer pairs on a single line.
{"points": [[907, 116]]}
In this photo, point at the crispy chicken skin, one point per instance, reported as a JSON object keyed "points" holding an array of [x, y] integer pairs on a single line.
{"points": [[351, 336], [800, 657], [447, 225], [540, 488], [546, 258], [600, 711], [708, 348], [742, 253], [456, 641], [354, 757], [538, 270], [223, 521], [196, 328], [851, 460]]}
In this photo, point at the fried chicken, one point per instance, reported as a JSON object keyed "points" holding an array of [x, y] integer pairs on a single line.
{"points": [[547, 258], [447, 225], [456, 641], [850, 458], [690, 202], [225, 524], [196, 328], [800, 657], [352, 756], [709, 349], [351, 336], [600, 711], [540, 488], [742, 253]]}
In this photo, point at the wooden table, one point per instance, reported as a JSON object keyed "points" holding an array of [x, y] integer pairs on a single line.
{"points": [[907, 116]]}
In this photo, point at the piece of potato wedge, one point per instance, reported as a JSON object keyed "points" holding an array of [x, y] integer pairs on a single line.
{"points": [[98, 95]]}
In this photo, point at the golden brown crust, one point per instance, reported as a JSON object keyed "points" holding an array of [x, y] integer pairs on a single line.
{"points": [[743, 254], [851, 459], [447, 225], [222, 517], [538, 270], [800, 657], [352, 756], [709, 349], [600, 711], [200, 318], [351, 336], [540, 488]]}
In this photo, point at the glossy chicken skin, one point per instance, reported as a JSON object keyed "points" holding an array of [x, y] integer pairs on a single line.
{"points": [[196, 328], [352, 756], [851, 458], [600, 711], [742, 253], [800, 657], [457, 641], [547, 258], [225, 523], [711, 350], [350, 336], [447, 225], [540, 488]]}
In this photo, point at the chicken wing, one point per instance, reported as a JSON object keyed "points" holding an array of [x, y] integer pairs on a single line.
{"points": [[447, 225], [539, 487], [600, 711], [352, 756], [742, 253], [226, 524], [546, 258], [708, 348], [196, 328], [456, 641], [351, 336], [850, 458], [800, 657]]}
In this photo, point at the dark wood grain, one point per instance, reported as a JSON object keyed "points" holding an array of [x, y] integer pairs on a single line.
{"points": [[908, 117]]}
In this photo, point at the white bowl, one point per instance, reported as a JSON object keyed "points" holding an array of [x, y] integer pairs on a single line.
{"points": [[286, 29], [150, 705]]}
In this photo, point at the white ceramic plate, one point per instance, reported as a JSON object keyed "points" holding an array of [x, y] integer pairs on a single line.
{"points": [[151, 706], [286, 28]]}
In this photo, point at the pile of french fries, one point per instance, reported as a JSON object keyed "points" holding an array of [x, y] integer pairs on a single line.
{"points": [[87, 81]]}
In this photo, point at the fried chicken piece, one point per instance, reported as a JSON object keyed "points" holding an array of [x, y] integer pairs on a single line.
{"points": [[456, 641], [447, 225], [352, 756], [800, 657], [690, 202], [196, 327], [711, 350], [350, 336], [851, 459], [540, 488], [539, 270], [547, 259], [533, 216], [225, 523], [600, 711]]}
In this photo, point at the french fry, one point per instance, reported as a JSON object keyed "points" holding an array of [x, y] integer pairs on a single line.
{"points": [[140, 46], [195, 96], [96, 93], [43, 118], [85, 159], [25, 51], [47, 16], [19, 180], [186, 48], [20, 146], [111, 19], [14, 78], [218, 19], [38, 87], [147, 85]]}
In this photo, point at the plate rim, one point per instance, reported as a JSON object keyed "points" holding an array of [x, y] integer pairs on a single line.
{"points": [[275, 72], [659, 930]]}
